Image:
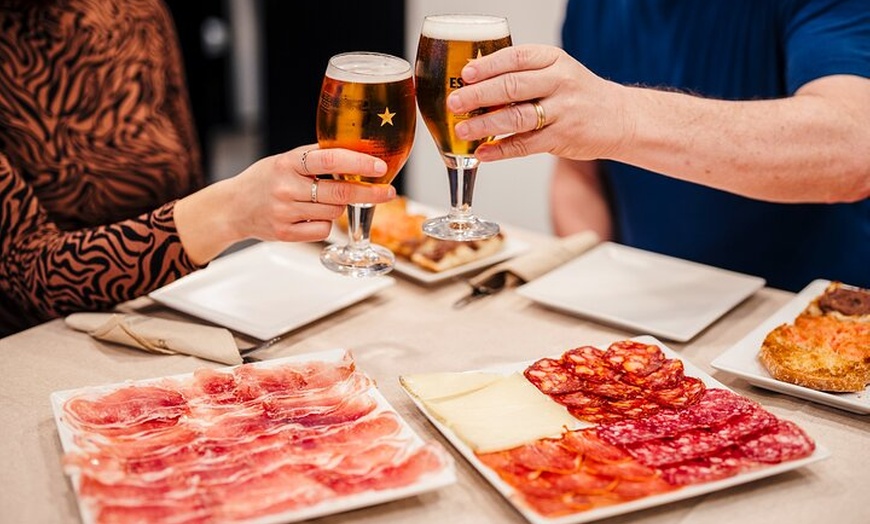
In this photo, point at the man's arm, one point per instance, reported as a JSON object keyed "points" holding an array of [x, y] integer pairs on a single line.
{"points": [[811, 147]]}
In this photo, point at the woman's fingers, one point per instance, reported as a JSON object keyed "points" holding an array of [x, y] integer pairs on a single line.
{"points": [[337, 192], [306, 231], [311, 161]]}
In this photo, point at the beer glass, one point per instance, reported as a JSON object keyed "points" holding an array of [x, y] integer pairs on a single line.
{"points": [[366, 104], [447, 43]]}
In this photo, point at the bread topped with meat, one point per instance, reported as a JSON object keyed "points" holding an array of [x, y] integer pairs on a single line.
{"points": [[395, 227], [827, 347], [439, 255]]}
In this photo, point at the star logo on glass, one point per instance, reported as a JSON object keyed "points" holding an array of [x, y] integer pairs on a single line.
{"points": [[386, 117]]}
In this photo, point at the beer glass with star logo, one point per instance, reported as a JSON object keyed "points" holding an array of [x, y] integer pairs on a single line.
{"points": [[447, 43], [367, 104]]}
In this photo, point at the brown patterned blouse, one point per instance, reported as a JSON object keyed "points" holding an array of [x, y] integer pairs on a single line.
{"points": [[96, 144]]}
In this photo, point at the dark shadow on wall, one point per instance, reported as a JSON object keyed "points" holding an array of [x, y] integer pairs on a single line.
{"points": [[203, 33]]}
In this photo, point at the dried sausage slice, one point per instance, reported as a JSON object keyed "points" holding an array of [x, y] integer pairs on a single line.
{"points": [[588, 362], [551, 377], [634, 358]]}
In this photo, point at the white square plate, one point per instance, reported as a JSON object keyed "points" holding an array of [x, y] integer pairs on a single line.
{"points": [[266, 290], [511, 248], [685, 492], [652, 293], [742, 358], [429, 482]]}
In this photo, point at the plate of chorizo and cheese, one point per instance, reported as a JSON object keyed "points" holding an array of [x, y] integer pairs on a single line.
{"points": [[598, 432]]}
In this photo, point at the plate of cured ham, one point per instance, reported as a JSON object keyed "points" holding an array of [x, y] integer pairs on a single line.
{"points": [[598, 432], [275, 441]]}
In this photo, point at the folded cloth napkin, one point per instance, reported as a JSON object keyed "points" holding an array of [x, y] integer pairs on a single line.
{"points": [[524, 268], [158, 335]]}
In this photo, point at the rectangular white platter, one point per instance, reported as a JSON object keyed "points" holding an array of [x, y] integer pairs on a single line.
{"points": [[425, 484], [509, 493]]}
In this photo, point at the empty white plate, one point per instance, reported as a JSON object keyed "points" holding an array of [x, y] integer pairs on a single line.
{"points": [[267, 289], [636, 289]]}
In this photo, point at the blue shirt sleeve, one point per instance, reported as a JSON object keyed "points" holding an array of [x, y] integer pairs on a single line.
{"points": [[826, 37]]}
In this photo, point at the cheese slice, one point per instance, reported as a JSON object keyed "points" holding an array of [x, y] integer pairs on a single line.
{"points": [[429, 386], [503, 414]]}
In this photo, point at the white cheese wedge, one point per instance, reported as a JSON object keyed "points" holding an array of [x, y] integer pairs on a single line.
{"points": [[430, 386], [503, 414]]}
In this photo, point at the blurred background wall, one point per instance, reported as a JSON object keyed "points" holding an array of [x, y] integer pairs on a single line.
{"points": [[254, 69]]}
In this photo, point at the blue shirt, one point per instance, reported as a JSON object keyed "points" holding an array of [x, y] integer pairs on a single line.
{"points": [[733, 50]]}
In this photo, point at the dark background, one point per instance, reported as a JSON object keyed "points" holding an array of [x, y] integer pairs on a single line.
{"points": [[297, 39]]}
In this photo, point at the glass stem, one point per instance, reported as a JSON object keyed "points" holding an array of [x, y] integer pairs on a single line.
{"points": [[359, 220], [461, 173]]}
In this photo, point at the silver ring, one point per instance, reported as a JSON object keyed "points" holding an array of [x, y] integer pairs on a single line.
{"points": [[314, 189], [305, 161], [542, 116]]}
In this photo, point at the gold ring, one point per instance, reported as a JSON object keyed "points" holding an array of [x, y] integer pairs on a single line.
{"points": [[314, 189], [305, 161], [542, 116]]}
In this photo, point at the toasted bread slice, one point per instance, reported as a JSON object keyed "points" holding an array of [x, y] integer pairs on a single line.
{"points": [[440, 255], [401, 231], [819, 352]]}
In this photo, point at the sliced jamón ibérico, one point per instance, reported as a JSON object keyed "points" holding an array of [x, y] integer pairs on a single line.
{"points": [[126, 410], [245, 443]]}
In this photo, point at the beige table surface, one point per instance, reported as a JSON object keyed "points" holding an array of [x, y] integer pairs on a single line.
{"points": [[409, 328]]}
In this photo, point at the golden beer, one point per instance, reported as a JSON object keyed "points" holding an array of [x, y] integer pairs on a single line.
{"points": [[367, 104], [447, 43]]}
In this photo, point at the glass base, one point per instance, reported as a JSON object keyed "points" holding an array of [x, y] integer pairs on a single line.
{"points": [[370, 261], [462, 229]]}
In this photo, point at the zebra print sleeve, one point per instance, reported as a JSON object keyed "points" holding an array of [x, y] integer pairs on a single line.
{"points": [[46, 273]]}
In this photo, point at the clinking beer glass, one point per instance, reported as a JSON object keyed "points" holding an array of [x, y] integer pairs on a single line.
{"points": [[447, 43], [366, 104]]}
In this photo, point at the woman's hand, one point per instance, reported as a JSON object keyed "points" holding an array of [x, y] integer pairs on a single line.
{"points": [[277, 198]]}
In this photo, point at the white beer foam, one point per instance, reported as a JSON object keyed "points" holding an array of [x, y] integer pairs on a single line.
{"points": [[466, 28], [368, 68]]}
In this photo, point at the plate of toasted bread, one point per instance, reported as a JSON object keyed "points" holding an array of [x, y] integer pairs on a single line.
{"points": [[816, 347], [398, 226]]}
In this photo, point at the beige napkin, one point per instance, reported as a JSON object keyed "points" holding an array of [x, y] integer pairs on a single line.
{"points": [[522, 269], [158, 335]]}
